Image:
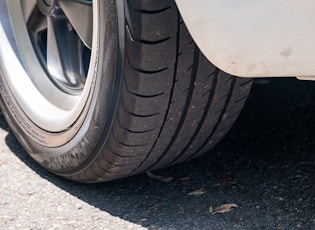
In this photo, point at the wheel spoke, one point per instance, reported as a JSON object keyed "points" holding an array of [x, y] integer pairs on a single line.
{"points": [[86, 2], [61, 40], [80, 15], [64, 53], [28, 8], [54, 61], [35, 20]]}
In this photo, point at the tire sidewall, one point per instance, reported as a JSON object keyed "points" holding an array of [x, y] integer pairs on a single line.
{"points": [[96, 117]]}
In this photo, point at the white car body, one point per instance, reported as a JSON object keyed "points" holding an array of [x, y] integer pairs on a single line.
{"points": [[254, 38]]}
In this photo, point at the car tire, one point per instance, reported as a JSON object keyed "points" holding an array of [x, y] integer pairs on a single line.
{"points": [[148, 98]]}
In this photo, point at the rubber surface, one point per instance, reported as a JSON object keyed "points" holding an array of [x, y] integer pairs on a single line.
{"points": [[155, 100], [174, 105]]}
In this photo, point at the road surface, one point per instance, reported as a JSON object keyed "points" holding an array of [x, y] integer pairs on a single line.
{"points": [[265, 166]]}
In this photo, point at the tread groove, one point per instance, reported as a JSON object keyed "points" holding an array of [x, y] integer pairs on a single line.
{"points": [[143, 41], [93, 171], [234, 114], [175, 79], [124, 144], [246, 82], [204, 116], [227, 102], [101, 168], [141, 11], [139, 115], [170, 103], [229, 79], [133, 131], [186, 107], [241, 99], [117, 165], [141, 95], [142, 70], [122, 156], [210, 75]]}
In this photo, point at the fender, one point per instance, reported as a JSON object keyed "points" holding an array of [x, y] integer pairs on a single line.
{"points": [[254, 38]]}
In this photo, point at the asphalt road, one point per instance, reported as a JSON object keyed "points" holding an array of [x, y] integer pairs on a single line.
{"points": [[265, 165]]}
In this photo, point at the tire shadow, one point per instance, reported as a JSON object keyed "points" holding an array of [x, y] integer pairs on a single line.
{"points": [[265, 165]]}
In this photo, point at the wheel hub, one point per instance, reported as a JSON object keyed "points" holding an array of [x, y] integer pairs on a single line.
{"points": [[47, 7]]}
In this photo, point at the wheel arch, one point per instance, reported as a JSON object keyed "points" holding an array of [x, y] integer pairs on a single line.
{"points": [[254, 38]]}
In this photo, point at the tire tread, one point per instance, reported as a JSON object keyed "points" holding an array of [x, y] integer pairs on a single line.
{"points": [[174, 104]]}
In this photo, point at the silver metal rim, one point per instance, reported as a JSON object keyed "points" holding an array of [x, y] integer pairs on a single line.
{"points": [[47, 56]]}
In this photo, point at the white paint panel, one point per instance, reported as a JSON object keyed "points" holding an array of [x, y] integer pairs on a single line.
{"points": [[254, 38]]}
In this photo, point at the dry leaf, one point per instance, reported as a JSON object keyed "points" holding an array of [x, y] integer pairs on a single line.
{"points": [[161, 178], [225, 179], [153, 207], [184, 178], [223, 208], [197, 192]]}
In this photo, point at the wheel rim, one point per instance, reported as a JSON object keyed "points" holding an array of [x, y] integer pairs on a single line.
{"points": [[62, 49], [53, 53]]}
